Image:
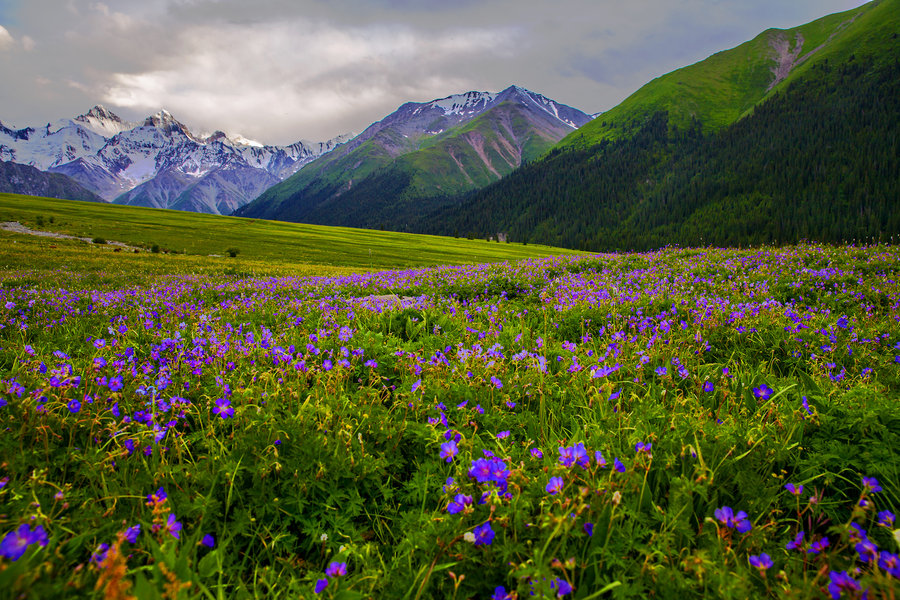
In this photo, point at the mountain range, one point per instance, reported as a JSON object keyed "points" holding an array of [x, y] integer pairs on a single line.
{"points": [[157, 162], [429, 151]]}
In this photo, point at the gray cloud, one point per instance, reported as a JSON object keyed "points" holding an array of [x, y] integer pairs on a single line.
{"points": [[281, 70]]}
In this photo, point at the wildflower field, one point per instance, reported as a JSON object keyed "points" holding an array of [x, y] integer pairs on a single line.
{"points": [[678, 424]]}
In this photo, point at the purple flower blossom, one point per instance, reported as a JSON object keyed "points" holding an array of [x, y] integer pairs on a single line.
{"points": [[886, 518], [890, 563], [761, 561], [709, 387], [321, 584], [840, 583], [449, 450], [618, 466], [555, 485], [574, 454], [561, 586], [173, 527], [763, 392], [496, 383], [132, 533], [867, 551], [336, 569], [223, 408], [796, 543], [536, 453], [17, 541], [818, 546], [589, 528], [794, 489], [500, 594], [739, 521], [459, 503], [484, 535], [870, 484], [209, 541]]}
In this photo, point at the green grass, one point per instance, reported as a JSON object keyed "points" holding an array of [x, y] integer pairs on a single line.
{"points": [[258, 240], [724, 87]]}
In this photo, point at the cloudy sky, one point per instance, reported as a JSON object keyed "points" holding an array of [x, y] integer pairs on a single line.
{"points": [[281, 70]]}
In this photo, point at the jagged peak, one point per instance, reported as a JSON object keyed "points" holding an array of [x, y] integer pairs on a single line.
{"points": [[99, 112], [163, 119]]}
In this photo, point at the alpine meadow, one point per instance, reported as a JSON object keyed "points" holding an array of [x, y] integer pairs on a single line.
{"points": [[492, 347]]}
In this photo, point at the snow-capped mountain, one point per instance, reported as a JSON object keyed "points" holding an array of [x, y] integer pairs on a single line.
{"points": [[419, 155], [158, 161]]}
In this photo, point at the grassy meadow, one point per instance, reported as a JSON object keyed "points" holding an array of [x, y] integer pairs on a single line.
{"points": [[699, 423], [276, 243]]}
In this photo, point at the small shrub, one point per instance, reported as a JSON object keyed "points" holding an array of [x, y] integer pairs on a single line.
{"points": [[232, 252], [154, 249], [40, 221], [98, 240]]}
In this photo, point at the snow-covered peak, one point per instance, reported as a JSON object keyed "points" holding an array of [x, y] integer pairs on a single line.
{"points": [[103, 122], [572, 117], [239, 140], [463, 104]]}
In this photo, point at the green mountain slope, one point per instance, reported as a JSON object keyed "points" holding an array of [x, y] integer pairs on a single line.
{"points": [[724, 87], [817, 159], [422, 151]]}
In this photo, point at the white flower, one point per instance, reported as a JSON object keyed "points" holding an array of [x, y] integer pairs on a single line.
{"points": [[324, 537], [617, 497], [469, 537]]}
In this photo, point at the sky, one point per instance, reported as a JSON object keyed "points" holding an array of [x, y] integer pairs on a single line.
{"points": [[278, 71]]}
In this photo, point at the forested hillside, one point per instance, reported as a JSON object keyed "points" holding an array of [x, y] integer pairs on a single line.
{"points": [[817, 161]]}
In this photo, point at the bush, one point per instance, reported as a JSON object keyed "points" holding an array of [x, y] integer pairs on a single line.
{"points": [[98, 240], [232, 252], [154, 249]]}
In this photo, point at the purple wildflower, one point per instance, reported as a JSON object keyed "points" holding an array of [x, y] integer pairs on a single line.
{"points": [[818, 546], [459, 503], [449, 450], [484, 535], [761, 561], [555, 485], [16, 542], [796, 543], [840, 583], [794, 489], [336, 569], [132, 533], [870, 484], [738, 521], [561, 586], [763, 392]]}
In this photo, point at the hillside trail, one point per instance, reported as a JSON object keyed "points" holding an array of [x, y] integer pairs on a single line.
{"points": [[16, 227]]}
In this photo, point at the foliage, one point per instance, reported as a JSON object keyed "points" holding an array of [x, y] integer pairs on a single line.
{"points": [[619, 425]]}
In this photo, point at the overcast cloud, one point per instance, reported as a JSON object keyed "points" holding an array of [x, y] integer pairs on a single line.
{"points": [[281, 70]]}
